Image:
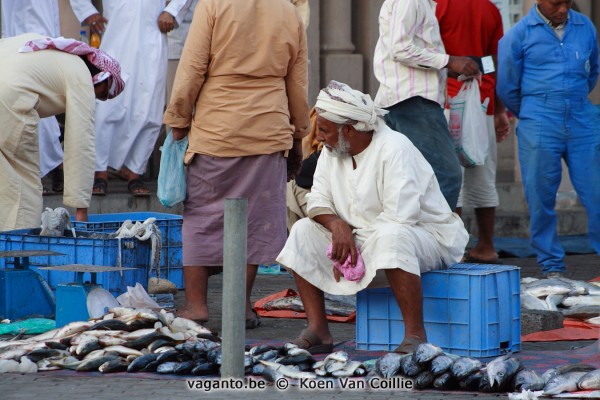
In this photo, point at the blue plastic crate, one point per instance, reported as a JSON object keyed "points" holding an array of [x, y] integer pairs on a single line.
{"points": [[469, 309], [82, 250], [170, 229]]}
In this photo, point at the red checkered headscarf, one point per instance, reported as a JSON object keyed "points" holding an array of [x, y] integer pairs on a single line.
{"points": [[109, 67]]}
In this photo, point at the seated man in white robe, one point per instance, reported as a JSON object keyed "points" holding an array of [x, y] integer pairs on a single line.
{"points": [[373, 194]]}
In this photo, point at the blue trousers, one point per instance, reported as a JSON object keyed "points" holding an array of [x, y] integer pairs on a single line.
{"points": [[551, 129], [424, 123]]}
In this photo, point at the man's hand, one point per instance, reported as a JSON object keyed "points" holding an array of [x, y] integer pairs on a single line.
{"points": [[294, 160], [462, 66], [81, 214], [502, 125], [342, 242], [96, 23], [179, 133], [166, 22]]}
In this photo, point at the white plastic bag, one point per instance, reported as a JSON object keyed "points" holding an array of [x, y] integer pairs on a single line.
{"points": [[468, 127], [136, 297], [171, 176]]}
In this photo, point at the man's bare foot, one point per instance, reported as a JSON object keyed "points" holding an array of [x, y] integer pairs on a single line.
{"points": [[198, 316]]}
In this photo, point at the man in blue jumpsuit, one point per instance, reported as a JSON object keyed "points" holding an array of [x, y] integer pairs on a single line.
{"points": [[548, 63]]}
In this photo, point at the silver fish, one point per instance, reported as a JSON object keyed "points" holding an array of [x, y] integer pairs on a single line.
{"points": [[501, 370], [563, 383], [141, 362], [563, 369], [340, 356], [441, 364], [530, 302], [42, 353], [424, 380], [389, 365], [472, 381], [65, 362], [126, 351], [267, 356], [115, 365], [544, 287], [591, 380], [111, 341], [262, 348], [334, 366], [581, 301], [95, 363], [409, 366], [589, 287], [294, 303], [445, 381], [594, 321], [426, 352], [527, 379], [86, 346], [348, 370], [289, 372], [168, 367], [464, 366], [184, 368], [553, 300]]}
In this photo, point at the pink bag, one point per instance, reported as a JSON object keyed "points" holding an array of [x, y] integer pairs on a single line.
{"points": [[350, 273]]}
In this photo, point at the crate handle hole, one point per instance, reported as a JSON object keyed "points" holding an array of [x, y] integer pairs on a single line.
{"points": [[504, 345]]}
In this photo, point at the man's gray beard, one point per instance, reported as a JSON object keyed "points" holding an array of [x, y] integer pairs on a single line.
{"points": [[341, 148]]}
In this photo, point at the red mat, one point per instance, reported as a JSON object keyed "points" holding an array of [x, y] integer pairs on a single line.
{"points": [[260, 310], [572, 330]]}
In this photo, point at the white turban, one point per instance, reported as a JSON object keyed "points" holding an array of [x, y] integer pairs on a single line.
{"points": [[341, 104]]}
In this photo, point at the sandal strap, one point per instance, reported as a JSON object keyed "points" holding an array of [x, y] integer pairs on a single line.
{"points": [[136, 184]]}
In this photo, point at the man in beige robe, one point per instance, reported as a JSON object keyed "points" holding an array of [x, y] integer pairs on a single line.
{"points": [[36, 85]]}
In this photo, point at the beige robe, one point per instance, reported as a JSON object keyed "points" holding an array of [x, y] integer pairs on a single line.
{"points": [[34, 85]]}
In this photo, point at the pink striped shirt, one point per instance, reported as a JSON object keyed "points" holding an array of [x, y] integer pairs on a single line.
{"points": [[409, 57]]}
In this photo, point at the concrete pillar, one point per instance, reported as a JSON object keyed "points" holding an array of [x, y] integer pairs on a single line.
{"points": [[365, 32], [338, 60]]}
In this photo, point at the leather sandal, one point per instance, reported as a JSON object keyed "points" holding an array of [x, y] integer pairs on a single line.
{"points": [[408, 345], [100, 185], [312, 343], [138, 188], [253, 322]]}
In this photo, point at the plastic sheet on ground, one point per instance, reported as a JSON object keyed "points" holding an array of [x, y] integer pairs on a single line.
{"points": [[572, 330], [259, 307], [32, 326]]}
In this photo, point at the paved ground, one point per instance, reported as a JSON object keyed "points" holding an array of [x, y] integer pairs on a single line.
{"points": [[52, 385]]}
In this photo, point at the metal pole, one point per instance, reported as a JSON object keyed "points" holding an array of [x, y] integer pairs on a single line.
{"points": [[234, 288]]}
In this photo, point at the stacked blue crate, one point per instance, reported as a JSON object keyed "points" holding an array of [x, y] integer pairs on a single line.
{"points": [[82, 250], [171, 264], [469, 309]]}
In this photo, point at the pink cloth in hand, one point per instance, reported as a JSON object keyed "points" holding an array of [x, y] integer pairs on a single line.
{"points": [[349, 272]]}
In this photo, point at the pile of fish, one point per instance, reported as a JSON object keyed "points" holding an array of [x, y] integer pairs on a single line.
{"points": [[430, 367], [143, 340], [123, 339], [294, 303], [292, 362], [138, 340], [575, 299]]}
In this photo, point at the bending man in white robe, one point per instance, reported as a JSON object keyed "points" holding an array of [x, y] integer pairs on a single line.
{"points": [[37, 16], [373, 193], [128, 128]]}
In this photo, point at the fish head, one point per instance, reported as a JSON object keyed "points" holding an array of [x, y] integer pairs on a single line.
{"points": [[497, 373]]}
